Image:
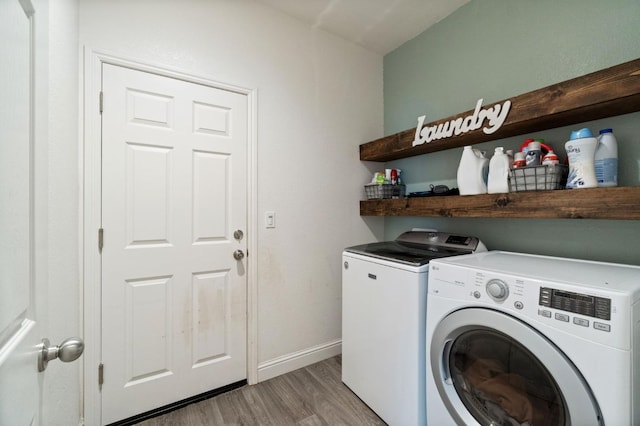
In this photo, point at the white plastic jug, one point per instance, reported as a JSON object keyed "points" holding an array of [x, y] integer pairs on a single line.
{"points": [[472, 172], [606, 159], [498, 182]]}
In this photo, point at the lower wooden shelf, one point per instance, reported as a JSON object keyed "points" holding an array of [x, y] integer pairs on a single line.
{"points": [[619, 203]]}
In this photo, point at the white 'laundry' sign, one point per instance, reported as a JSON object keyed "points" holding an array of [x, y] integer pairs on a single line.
{"points": [[495, 116]]}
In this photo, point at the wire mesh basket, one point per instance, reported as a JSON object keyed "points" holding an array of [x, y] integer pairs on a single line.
{"points": [[375, 190], [539, 178]]}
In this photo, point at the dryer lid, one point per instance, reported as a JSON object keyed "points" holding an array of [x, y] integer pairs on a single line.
{"points": [[417, 248]]}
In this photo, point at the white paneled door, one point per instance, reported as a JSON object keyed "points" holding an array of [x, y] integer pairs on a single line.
{"points": [[174, 184], [23, 293]]}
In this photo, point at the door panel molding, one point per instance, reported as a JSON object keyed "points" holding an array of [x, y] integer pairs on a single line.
{"points": [[91, 218]]}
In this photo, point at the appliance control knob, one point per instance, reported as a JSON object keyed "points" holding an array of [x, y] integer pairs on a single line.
{"points": [[498, 290], [432, 236]]}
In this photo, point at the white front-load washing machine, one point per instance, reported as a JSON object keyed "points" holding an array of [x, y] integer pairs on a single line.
{"points": [[517, 339]]}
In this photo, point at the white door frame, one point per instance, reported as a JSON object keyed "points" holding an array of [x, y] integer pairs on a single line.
{"points": [[91, 218]]}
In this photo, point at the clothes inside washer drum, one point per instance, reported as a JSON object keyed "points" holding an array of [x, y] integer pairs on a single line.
{"points": [[490, 382]]}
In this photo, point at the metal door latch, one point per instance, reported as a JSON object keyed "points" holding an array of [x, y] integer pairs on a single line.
{"points": [[69, 350]]}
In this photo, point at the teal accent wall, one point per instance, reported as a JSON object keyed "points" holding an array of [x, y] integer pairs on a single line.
{"points": [[495, 50]]}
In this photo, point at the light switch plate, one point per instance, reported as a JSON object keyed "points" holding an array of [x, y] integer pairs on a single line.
{"points": [[270, 219]]}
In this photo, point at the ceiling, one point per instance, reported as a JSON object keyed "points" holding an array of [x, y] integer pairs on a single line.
{"points": [[378, 25]]}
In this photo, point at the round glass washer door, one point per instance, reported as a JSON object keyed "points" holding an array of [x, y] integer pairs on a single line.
{"points": [[493, 369]]}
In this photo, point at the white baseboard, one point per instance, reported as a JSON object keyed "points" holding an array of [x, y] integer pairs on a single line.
{"points": [[296, 360]]}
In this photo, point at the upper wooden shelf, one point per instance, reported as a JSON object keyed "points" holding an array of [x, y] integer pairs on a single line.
{"points": [[606, 93], [594, 203]]}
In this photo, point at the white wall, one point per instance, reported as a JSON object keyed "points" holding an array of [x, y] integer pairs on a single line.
{"points": [[319, 97]]}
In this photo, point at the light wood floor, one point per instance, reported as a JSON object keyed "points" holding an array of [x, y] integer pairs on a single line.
{"points": [[310, 396]]}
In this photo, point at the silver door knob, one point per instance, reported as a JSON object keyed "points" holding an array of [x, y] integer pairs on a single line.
{"points": [[69, 350], [238, 255], [238, 234]]}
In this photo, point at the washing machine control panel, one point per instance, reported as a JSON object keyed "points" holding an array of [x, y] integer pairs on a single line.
{"points": [[588, 315], [593, 311], [579, 313], [577, 303]]}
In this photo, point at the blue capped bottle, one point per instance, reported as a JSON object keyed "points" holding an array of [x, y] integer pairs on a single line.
{"points": [[581, 150], [606, 159]]}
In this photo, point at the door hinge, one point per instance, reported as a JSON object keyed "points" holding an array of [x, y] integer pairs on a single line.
{"points": [[100, 374], [101, 101], [100, 239]]}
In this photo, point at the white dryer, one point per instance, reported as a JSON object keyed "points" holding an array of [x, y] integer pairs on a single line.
{"points": [[517, 339], [384, 289]]}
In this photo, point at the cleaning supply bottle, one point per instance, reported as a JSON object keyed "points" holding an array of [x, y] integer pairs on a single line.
{"points": [[606, 159], [472, 172], [581, 150], [498, 172], [519, 160], [550, 158], [534, 153]]}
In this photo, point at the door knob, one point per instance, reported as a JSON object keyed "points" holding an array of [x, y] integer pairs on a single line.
{"points": [[69, 350], [238, 234], [238, 255]]}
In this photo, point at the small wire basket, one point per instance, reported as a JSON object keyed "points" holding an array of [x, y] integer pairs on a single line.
{"points": [[375, 190], [539, 178]]}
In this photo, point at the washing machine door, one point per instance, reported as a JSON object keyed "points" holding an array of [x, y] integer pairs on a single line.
{"points": [[493, 369]]}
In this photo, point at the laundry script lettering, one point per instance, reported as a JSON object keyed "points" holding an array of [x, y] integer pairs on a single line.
{"points": [[494, 116]]}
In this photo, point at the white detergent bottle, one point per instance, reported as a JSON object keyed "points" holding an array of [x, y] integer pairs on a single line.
{"points": [[472, 172], [606, 159], [581, 150], [498, 172]]}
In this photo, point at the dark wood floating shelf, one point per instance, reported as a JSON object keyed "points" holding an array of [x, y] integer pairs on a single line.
{"points": [[606, 93], [621, 203]]}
